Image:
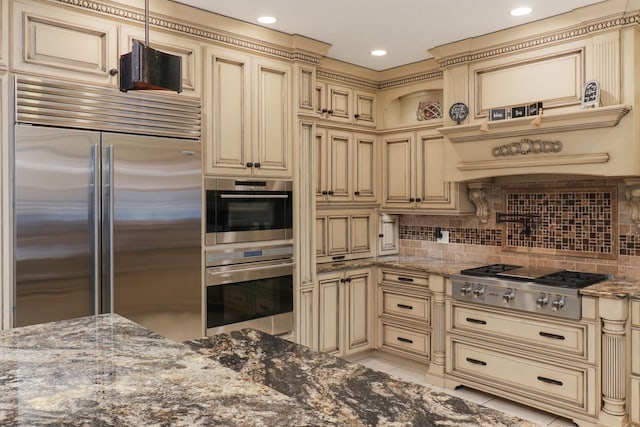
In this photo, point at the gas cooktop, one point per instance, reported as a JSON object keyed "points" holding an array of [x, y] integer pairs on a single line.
{"points": [[539, 290]]}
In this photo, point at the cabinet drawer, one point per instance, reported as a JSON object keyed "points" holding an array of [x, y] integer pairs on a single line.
{"points": [[543, 334], [560, 385], [635, 351], [406, 306], [407, 279], [635, 313], [407, 340], [635, 400]]}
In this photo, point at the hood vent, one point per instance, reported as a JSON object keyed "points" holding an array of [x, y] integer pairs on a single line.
{"points": [[145, 68]]}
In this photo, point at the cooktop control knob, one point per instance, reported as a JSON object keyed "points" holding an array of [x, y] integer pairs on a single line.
{"points": [[466, 289], [509, 295], [478, 291], [542, 301], [558, 303]]}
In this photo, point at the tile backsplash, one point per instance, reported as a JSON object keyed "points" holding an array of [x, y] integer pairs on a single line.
{"points": [[579, 225]]}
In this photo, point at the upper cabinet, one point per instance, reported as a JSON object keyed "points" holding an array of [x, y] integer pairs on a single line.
{"points": [[414, 175], [249, 117], [59, 42], [345, 169], [345, 105]]}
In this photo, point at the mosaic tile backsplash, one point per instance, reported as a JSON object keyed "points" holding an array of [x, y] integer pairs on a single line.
{"points": [[583, 225]]}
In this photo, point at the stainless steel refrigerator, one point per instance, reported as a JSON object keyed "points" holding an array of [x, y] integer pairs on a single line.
{"points": [[106, 222]]}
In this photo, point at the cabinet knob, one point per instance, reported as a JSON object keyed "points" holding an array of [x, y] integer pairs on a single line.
{"points": [[113, 71], [357, 116], [411, 200], [324, 110], [330, 111], [256, 165], [418, 200], [330, 193], [249, 164], [357, 193], [324, 192], [381, 235]]}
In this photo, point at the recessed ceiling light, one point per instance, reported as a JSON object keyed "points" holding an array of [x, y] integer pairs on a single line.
{"points": [[267, 20], [521, 11], [378, 52]]}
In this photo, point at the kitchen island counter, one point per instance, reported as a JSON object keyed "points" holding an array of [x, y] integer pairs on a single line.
{"points": [[106, 370]]}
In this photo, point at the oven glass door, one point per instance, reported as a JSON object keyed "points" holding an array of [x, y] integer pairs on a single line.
{"points": [[249, 293]]}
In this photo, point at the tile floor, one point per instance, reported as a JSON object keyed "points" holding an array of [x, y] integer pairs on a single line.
{"points": [[407, 373]]}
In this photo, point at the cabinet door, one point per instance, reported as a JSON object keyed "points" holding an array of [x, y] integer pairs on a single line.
{"points": [[272, 135], [360, 230], [306, 89], [187, 49], [321, 163], [433, 191], [338, 235], [321, 99], [331, 314], [364, 168], [398, 171], [364, 108], [339, 101], [308, 318], [358, 311], [321, 236], [388, 234], [62, 43], [227, 106], [339, 166]]}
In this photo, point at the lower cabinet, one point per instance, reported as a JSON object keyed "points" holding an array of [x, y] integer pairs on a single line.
{"points": [[549, 364], [345, 319], [634, 405], [404, 314]]}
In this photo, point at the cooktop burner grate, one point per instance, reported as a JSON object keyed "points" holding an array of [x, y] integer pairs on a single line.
{"points": [[491, 270], [571, 279]]}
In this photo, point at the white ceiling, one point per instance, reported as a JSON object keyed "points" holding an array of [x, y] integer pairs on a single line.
{"points": [[407, 29]]}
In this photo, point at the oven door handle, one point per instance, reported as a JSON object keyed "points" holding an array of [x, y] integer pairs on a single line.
{"points": [[222, 276], [254, 196]]}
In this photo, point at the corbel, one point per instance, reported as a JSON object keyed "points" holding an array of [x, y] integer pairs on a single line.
{"points": [[632, 192], [478, 196]]}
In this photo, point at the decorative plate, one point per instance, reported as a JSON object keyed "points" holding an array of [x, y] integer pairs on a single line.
{"points": [[458, 112]]}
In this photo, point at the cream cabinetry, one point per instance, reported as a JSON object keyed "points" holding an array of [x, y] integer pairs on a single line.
{"points": [[307, 313], [345, 105], [345, 166], [4, 35], [248, 105], [388, 234], [345, 301], [413, 175], [60, 42], [345, 234], [547, 363], [404, 314], [6, 258], [634, 405]]}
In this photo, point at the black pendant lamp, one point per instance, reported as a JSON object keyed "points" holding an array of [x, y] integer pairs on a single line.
{"points": [[145, 68]]}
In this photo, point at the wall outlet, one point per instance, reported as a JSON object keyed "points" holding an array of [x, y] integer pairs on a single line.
{"points": [[444, 238]]}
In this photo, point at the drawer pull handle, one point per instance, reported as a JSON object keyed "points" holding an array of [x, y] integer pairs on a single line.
{"points": [[554, 336], [338, 257], [478, 321], [405, 306], [405, 279], [549, 381], [407, 340], [479, 362]]}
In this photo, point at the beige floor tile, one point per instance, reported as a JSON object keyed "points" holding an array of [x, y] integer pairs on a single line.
{"points": [[378, 364], [525, 412], [562, 422], [410, 375], [475, 396]]}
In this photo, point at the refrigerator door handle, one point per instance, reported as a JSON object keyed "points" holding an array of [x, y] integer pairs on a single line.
{"points": [[110, 210], [95, 158]]}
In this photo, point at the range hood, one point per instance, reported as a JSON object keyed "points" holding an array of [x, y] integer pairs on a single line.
{"points": [[145, 68]]}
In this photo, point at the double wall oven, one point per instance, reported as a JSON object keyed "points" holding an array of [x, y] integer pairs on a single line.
{"points": [[249, 256]]}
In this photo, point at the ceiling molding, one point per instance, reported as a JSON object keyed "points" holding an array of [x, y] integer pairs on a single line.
{"points": [[561, 36], [429, 75], [191, 30]]}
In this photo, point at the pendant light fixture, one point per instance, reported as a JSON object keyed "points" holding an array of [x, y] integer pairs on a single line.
{"points": [[145, 68]]}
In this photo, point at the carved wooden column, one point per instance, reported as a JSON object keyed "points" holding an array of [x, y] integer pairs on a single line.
{"points": [[478, 196], [614, 314], [435, 375]]}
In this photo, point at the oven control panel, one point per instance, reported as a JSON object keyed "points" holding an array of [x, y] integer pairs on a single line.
{"points": [[240, 255]]}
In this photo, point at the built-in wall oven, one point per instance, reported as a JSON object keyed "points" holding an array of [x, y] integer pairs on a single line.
{"points": [[248, 210], [250, 288]]}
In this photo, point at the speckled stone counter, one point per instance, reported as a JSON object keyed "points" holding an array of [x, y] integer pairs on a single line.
{"points": [[108, 371], [355, 395]]}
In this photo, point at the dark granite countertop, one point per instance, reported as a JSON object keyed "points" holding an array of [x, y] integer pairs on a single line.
{"points": [[614, 288], [352, 393], [108, 371]]}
